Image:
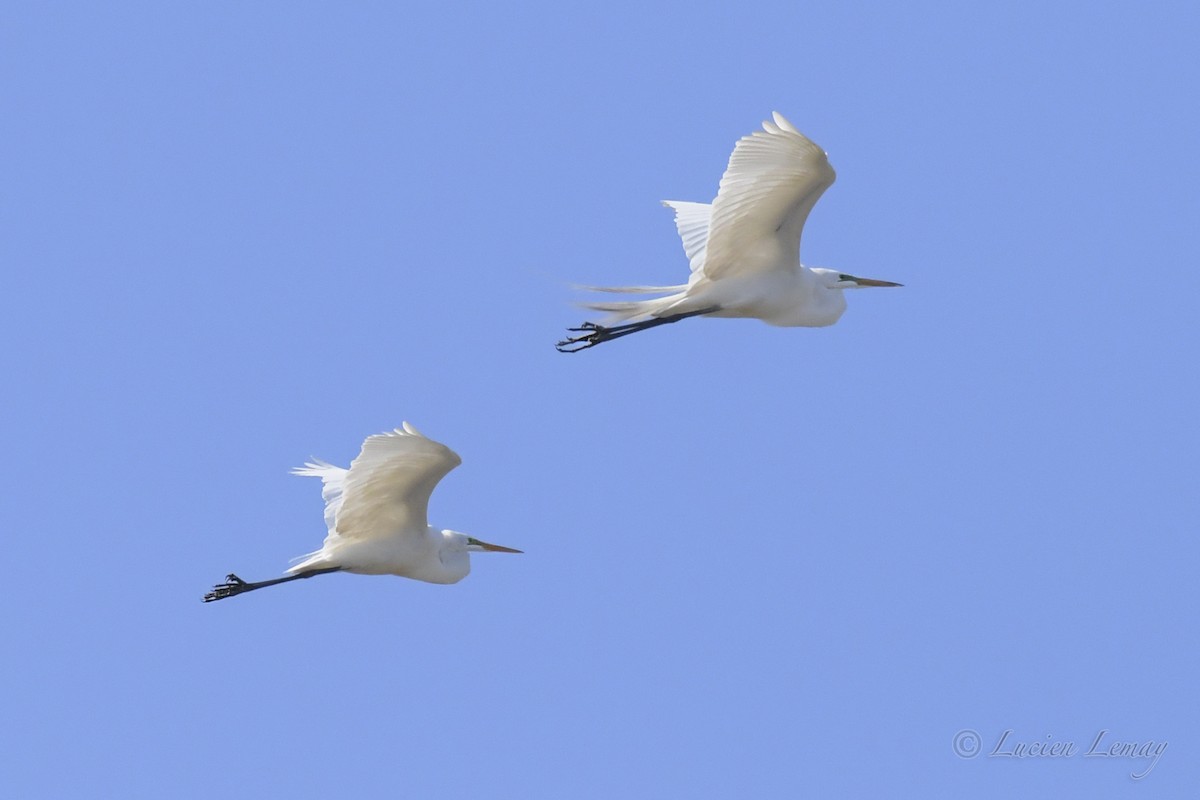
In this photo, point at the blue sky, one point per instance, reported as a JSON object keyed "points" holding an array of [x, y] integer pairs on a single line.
{"points": [[759, 561]]}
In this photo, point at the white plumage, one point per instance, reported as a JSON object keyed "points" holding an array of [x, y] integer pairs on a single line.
{"points": [[376, 515], [744, 248]]}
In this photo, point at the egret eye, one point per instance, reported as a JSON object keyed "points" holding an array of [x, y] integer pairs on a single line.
{"points": [[845, 277]]}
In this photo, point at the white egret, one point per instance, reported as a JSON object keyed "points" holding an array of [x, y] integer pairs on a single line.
{"points": [[744, 248], [376, 511]]}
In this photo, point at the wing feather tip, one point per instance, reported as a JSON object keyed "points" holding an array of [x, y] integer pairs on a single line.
{"points": [[783, 122], [314, 468]]}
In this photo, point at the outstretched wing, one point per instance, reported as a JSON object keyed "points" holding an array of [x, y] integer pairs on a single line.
{"points": [[691, 220], [386, 490], [333, 479], [774, 178]]}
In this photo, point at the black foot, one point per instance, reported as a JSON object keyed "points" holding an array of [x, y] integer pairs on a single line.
{"points": [[232, 585], [593, 335]]}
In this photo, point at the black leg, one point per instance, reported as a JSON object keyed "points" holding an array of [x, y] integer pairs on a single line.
{"points": [[234, 585], [594, 334]]}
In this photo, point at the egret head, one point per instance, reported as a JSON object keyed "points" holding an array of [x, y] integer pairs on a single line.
{"points": [[453, 561], [832, 279]]}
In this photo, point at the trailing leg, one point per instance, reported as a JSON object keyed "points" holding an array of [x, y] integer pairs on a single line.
{"points": [[234, 585], [594, 334]]}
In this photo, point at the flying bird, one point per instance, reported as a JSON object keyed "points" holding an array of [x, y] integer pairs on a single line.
{"points": [[376, 514], [744, 248]]}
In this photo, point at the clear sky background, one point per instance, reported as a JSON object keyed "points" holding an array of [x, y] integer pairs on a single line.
{"points": [[759, 561]]}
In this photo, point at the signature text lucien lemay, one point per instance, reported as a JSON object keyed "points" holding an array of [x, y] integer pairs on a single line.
{"points": [[1102, 746]]}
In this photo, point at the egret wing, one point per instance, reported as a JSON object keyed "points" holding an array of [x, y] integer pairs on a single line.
{"points": [[386, 491], [774, 178], [691, 220], [333, 480]]}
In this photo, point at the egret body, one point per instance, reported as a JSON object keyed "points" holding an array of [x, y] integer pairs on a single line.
{"points": [[743, 248], [376, 515]]}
